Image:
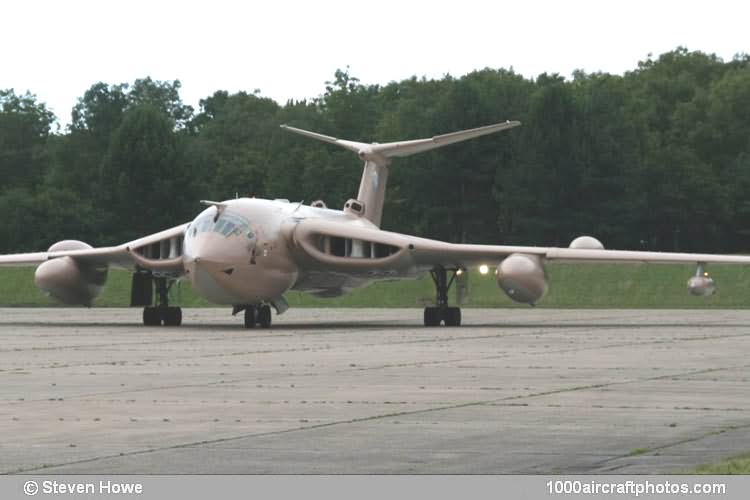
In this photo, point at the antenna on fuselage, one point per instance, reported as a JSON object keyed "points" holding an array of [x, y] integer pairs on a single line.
{"points": [[220, 207]]}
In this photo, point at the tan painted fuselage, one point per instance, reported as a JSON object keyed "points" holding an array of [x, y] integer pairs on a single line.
{"points": [[246, 253]]}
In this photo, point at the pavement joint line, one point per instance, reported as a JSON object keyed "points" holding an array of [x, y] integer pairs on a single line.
{"points": [[394, 365], [396, 414], [452, 338], [240, 336], [535, 353], [656, 449], [95, 395]]}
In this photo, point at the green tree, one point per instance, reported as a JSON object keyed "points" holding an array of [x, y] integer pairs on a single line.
{"points": [[546, 177], [163, 95], [99, 111], [141, 179], [25, 125], [234, 133]]}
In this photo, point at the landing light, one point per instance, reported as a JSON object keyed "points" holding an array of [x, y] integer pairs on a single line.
{"points": [[459, 272], [483, 269]]}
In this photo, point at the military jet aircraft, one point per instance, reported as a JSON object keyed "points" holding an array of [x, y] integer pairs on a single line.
{"points": [[247, 252]]}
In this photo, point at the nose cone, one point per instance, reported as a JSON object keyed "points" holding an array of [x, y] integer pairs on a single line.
{"points": [[211, 262]]}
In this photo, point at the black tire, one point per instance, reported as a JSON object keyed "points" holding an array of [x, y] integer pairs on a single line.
{"points": [[264, 316], [166, 315], [151, 316], [250, 317], [172, 316], [453, 316], [431, 316]]}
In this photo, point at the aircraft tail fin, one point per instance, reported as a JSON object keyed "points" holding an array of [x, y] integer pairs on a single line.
{"points": [[377, 157]]}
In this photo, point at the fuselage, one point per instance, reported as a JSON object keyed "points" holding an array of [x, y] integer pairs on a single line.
{"points": [[239, 253]]}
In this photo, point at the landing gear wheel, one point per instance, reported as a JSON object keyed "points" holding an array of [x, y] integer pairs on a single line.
{"points": [[172, 316], [441, 313], [452, 316], [156, 316], [151, 316], [264, 316], [431, 316], [250, 316], [160, 313]]}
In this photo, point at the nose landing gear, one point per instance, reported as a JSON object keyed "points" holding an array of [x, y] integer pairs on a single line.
{"points": [[255, 315]]}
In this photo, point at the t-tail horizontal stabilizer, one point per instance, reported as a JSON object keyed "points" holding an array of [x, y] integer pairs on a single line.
{"points": [[376, 157], [377, 151]]}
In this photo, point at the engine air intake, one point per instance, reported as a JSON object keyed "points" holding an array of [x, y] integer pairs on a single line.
{"points": [[353, 248]]}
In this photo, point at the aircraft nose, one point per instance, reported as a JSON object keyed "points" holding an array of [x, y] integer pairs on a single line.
{"points": [[206, 253], [201, 246], [210, 269]]}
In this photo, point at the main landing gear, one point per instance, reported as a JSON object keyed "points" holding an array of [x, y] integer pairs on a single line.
{"points": [[161, 313], [434, 315], [255, 315]]}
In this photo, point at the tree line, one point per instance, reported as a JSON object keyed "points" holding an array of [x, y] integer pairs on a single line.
{"points": [[657, 158]]}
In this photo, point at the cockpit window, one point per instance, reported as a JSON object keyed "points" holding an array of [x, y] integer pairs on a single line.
{"points": [[228, 228], [228, 224]]}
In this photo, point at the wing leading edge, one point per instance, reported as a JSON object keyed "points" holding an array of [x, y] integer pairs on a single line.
{"points": [[145, 252], [460, 255], [423, 254]]}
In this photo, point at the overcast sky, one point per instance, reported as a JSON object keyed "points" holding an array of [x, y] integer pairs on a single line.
{"points": [[289, 49]]}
